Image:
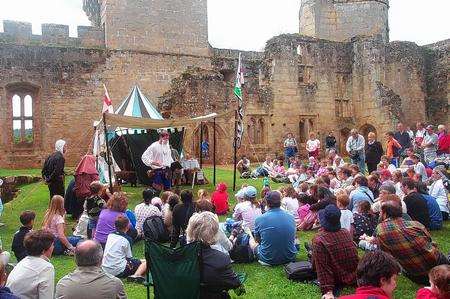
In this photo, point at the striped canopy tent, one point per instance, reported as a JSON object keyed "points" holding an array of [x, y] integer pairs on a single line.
{"points": [[136, 104], [128, 141]]}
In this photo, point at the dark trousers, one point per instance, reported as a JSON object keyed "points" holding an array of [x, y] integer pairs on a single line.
{"points": [[371, 167], [56, 188]]}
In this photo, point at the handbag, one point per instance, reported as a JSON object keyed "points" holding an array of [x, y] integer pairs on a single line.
{"points": [[300, 271]]}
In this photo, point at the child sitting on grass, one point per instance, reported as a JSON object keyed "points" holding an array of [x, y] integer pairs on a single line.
{"points": [[342, 202], [118, 259], [94, 205], [439, 284], [27, 220]]}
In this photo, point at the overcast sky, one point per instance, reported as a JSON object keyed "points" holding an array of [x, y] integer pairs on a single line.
{"points": [[248, 24]]}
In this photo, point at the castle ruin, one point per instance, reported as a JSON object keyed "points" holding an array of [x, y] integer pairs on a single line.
{"points": [[339, 72]]}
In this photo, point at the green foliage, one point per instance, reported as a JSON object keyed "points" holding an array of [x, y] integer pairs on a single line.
{"points": [[262, 282]]}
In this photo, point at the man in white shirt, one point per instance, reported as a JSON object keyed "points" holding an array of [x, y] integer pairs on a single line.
{"points": [[419, 168], [430, 145], [355, 147], [158, 157], [118, 259], [34, 276]]}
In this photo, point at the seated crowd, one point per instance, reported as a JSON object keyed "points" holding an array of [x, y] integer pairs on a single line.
{"points": [[389, 213]]}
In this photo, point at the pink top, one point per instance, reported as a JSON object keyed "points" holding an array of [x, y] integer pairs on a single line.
{"points": [[279, 169], [303, 211], [246, 212], [53, 225]]}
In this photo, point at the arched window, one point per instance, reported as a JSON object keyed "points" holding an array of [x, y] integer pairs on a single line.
{"points": [[251, 130], [260, 131], [22, 117]]}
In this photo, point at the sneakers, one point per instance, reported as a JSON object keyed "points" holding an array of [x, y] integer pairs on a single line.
{"points": [[136, 279]]}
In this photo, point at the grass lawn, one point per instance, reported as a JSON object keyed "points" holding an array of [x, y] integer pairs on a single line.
{"points": [[262, 282]]}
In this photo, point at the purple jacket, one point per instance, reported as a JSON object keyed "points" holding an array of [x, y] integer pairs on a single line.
{"points": [[105, 224]]}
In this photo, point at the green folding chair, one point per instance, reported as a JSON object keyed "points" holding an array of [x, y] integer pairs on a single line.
{"points": [[174, 272]]}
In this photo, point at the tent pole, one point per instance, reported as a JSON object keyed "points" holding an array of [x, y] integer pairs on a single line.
{"points": [[108, 158], [200, 145], [235, 150], [214, 151]]}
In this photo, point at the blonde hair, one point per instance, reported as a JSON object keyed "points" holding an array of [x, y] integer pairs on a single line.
{"points": [[165, 196], [203, 227], [118, 202], [56, 208], [372, 134], [202, 194]]}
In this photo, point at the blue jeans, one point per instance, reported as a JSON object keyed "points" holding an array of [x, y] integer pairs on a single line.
{"points": [[361, 162], [60, 248]]}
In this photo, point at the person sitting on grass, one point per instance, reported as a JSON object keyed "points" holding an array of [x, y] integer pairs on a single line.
{"points": [[27, 220], [408, 241], [116, 206], [145, 210], [376, 274], [289, 202], [243, 165], [180, 217], [342, 202], [172, 201], [217, 274], [118, 259], [274, 238], [439, 287], [433, 207], [55, 223], [89, 280], [5, 292], [219, 199], [365, 221], [334, 254], [34, 276], [247, 210], [94, 205]]}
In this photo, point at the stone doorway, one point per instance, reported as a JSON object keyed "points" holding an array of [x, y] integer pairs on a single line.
{"points": [[343, 136], [366, 129]]}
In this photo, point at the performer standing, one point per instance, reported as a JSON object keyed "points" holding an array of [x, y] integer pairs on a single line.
{"points": [[53, 170], [158, 157]]}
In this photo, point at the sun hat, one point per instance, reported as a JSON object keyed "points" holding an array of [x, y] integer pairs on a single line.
{"points": [[250, 192], [330, 218]]}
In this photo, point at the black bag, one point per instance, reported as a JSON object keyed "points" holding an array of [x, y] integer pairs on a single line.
{"points": [[242, 254], [155, 230], [300, 271]]}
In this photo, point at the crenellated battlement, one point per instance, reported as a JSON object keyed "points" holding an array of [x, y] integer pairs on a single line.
{"points": [[52, 35]]}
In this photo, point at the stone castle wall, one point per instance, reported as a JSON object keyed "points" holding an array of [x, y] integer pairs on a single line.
{"points": [[340, 20], [299, 84]]}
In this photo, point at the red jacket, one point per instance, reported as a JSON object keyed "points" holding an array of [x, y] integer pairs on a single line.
{"points": [[219, 199], [444, 143], [425, 293], [367, 292]]}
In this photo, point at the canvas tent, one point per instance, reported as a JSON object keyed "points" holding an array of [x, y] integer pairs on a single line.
{"points": [[128, 142]]}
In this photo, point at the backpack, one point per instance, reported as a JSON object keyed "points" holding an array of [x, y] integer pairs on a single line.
{"points": [[241, 251], [300, 271], [154, 229]]}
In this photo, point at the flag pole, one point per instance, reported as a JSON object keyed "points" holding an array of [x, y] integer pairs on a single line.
{"points": [[235, 150], [108, 158], [214, 151], [200, 145]]}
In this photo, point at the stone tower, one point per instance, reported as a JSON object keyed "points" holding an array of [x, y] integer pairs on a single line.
{"points": [[340, 20], [161, 26]]}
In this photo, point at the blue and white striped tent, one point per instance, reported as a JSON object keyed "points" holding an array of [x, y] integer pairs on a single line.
{"points": [[136, 104]]}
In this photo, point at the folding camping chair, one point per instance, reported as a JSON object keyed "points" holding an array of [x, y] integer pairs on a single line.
{"points": [[175, 272]]}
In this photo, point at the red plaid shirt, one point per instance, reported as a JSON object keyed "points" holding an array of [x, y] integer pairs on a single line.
{"points": [[410, 243], [335, 259]]}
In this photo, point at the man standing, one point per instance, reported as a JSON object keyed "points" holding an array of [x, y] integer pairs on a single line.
{"points": [[330, 142], [53, 170], [409, 242], [158, 157], [403, 138], [89, 280], [444, 141], [290, 147], [429, 145], [274, 237], [355, 147]]}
